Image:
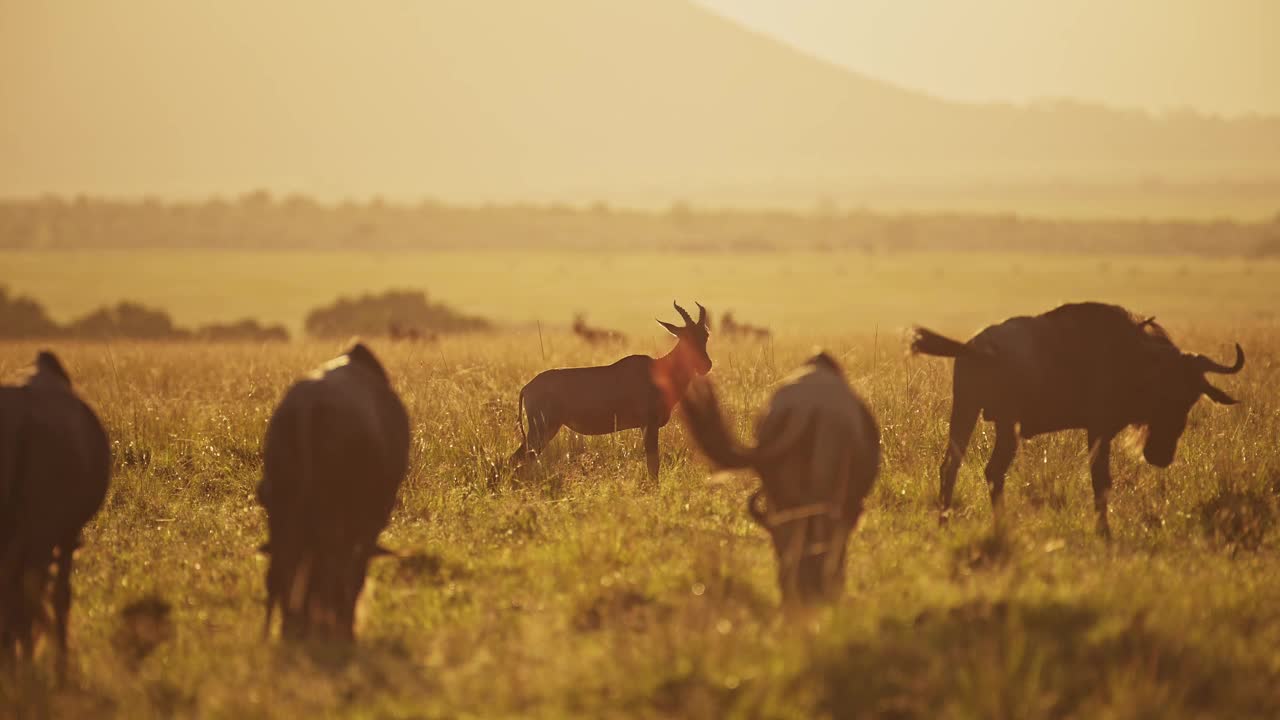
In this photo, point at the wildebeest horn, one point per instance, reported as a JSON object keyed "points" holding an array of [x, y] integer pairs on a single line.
{"points": [[702, 314], [755, 506], [687, 320], [1204, 364]]}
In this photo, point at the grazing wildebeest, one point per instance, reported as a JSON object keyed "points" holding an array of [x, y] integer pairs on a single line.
{"points": [[595, 336], [55, 465], [730, 326], [637, 391], [817, 453], [1087, 366], [336, 451]]}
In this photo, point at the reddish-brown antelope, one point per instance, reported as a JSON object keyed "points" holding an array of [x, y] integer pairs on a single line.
{"points": [[595, 336], [637, 391]]}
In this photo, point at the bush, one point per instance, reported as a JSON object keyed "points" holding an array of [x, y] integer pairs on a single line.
{"points": [[376, 314], [22, 317], [127, 320], [245, 329]]}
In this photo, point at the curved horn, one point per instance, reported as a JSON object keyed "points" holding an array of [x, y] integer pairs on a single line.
{"points": [[702, 314], [755, 506], [1204, 364], [687, 320]]}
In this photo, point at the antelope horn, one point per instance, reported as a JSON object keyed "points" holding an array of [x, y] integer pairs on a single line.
{"points": [[702, 314], [687, 320], [1204, 364]]}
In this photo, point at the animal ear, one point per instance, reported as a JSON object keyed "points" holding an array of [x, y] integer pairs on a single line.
{"points": [[669, 327], [1217, 395], [46, 361]]}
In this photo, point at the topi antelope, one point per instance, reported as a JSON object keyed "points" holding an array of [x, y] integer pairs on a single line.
{"points": [[637, 391], [731, 327], [1086, 366], [817, 454], [595, 336]]}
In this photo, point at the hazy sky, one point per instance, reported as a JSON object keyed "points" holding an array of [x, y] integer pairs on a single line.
{"points": [[1220, 56]]}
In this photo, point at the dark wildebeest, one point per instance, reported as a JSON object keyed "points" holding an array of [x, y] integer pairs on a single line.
{"points": [[635, 392], [1087, 366], [817, 453], [730, 326], [55, 465], [595, 336], [336, 451]]}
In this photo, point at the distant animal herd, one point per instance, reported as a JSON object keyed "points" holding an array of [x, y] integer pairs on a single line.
{"points": [[337, 450]]}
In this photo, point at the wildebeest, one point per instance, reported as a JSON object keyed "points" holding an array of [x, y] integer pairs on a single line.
{"points": [[55, 466], [817, 453], [336, 451], [637, 391], [729, 325], [1088, 366], [595, 336]]}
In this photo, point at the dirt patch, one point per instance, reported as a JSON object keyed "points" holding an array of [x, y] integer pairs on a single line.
{"points": [[626, 609], [1237, 520]]}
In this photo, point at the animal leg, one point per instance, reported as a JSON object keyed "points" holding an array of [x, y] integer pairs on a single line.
{"points": [[1100, 471], [62, 605], [30, 604], [651, 450], [1001, 458], [964, 416]]}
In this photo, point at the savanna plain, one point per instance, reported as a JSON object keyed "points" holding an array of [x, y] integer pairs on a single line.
{"points": [[582, 589]]}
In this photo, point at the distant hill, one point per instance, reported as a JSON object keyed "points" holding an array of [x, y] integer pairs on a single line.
{"points": [[478, 100]]}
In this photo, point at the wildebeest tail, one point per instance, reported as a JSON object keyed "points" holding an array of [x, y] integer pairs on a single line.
{"points": [[520, 418], [928, 342], [710, 433]]}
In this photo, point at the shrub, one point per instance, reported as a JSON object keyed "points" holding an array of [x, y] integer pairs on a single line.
{"points": [[22, 317], [126, 320], [376, 314], [244, 329]]}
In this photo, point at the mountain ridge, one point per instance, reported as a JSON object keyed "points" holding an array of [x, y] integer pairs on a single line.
{"points": [[573, 100]]}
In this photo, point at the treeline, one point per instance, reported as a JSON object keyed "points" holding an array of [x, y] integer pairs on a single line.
{"points": [[400, 314], [261, 221]]}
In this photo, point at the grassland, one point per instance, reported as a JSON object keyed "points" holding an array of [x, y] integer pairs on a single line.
{"points": [[582, 592], [796, 293]]}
